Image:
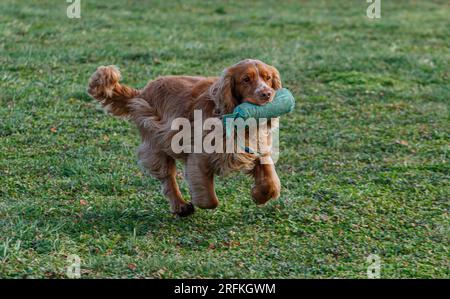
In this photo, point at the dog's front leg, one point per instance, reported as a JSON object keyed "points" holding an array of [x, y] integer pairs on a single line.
{"points": [[267, 184]]}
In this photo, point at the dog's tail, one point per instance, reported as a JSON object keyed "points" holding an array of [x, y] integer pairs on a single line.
{"points": [[104, 86]]}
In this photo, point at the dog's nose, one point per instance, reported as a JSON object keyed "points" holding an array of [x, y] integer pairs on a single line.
{"points": [[266, 94]]}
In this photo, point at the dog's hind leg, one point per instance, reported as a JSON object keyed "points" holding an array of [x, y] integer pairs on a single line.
{"points": [[163, 167], [178, 205], [201, 183]]}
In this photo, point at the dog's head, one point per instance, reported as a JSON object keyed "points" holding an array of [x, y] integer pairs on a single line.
{"points": [[247, 81]]}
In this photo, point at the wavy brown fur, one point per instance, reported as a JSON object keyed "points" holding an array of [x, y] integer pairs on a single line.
{"points": [[154, 108], [104, 86]]}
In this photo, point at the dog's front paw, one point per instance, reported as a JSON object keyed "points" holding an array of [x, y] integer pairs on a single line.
{"points": [[185, 210], [265, 192]]}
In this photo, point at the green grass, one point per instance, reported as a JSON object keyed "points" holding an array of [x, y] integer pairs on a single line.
{"points": [[364, 158]]}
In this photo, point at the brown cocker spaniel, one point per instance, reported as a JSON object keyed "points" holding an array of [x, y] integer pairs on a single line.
{"points": [[154, 107]]}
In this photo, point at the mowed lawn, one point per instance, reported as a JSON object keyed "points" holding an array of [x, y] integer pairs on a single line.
{"points": [[364, 159]]}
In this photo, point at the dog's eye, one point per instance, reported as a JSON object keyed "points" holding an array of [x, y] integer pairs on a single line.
{"points": [[269, 78], [246, 79]]}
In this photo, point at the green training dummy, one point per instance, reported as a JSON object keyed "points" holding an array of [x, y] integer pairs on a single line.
{"points": [[282, 103]]}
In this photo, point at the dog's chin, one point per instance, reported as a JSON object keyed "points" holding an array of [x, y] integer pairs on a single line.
{"points": [[267, 101], [259, 102]]}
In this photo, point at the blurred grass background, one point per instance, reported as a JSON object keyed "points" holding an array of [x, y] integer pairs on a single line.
{"points": [[364, 157]]}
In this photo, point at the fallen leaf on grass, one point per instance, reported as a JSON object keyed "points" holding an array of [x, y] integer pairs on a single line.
{"points": [[132, 266], [401, 142], [321, 217]]}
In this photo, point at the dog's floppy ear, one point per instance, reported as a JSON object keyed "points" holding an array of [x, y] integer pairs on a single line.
{"points": [[223, 93], [276, 79]]}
